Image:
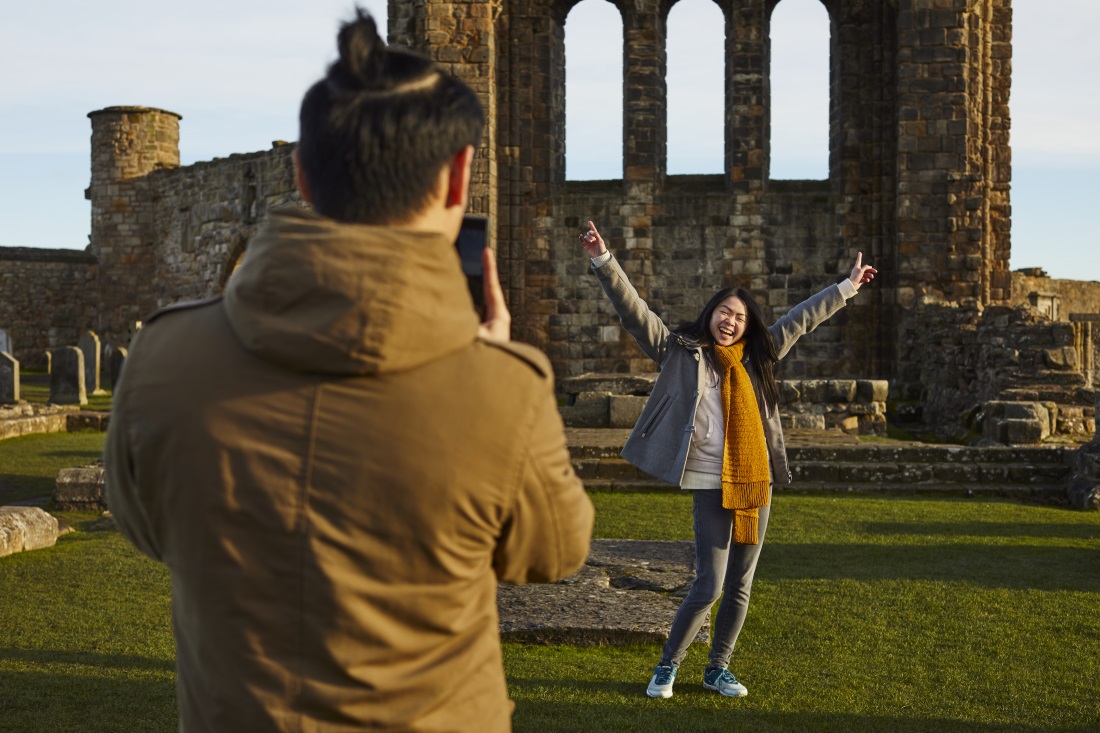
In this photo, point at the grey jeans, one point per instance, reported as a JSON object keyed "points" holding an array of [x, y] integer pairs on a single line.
{"points": [[719, 571]]}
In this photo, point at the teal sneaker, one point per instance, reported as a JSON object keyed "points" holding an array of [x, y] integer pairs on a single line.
{"points": [[722, 680], [661, 684]]}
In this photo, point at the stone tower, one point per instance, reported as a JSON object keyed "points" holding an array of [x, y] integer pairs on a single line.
{"points": [[128, 144]]}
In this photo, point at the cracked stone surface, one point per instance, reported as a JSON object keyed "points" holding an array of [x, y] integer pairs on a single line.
{"points": [[628, 591]]}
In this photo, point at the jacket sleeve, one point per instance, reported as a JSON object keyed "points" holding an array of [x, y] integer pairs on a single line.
{"points": [[125, 497], [644, 325], [805, 317], [546, 536]]}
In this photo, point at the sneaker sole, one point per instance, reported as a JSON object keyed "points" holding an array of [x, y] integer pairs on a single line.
{"points": [[726, 694], [658, 694]]}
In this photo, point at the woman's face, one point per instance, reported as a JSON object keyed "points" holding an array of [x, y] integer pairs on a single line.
{"points": [[729, 321]]}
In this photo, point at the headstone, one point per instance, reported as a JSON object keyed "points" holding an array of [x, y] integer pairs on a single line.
{"points": [[115, 356], [67, 377], [5, 342], [9, 379], [89, 344]]}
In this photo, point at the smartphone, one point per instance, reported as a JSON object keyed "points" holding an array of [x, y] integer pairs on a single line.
{"points": [[470, 244]]}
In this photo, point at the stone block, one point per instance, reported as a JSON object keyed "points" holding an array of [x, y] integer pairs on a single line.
{"points": [[610, 383], [9, 378], [846, 423], [1063, 358], [80, 489], [814, 390], [25, 528], [790, 391], [874, 424], [840, 390], [624, 410], [803, 421], [1084, 493], [872, 390], [588, 410], [1022, 432]]}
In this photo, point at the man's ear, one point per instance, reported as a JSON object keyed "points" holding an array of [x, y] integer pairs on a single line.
{"points": [[458, 178], [300, 178]]}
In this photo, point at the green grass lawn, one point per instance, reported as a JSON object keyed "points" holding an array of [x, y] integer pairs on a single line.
{"points": [[868, 614]]}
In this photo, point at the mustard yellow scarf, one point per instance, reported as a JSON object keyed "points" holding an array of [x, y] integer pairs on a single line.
{"points": [[745, 475]]}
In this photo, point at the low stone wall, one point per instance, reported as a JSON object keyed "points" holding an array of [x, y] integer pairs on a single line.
{"points": [[30, 419], [856, 406], [49, 296]]}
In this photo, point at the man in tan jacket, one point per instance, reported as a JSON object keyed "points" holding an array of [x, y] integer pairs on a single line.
{"points": [[336, 461]]}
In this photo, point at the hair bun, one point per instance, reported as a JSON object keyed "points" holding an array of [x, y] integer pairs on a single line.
{"points": [[362, 62]]}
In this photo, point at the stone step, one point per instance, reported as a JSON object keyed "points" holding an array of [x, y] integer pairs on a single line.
{"points": [[910, 468], [608, 445], [1029, 492], [928, 454], [606, 472], [921, 473]]}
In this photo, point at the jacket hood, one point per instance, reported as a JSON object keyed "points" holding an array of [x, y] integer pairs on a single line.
{"points": [[317, 295]]}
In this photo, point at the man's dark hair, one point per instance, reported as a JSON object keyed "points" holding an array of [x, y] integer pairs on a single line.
{"points": [[758, 340], [377, 130]]}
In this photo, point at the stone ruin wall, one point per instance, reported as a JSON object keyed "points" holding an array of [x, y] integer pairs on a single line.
{"points": [[955, 359], [160, 234], [47, 295], [918, 181], [581, 329]]}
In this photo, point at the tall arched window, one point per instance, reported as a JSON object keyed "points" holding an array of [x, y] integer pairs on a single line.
{"points": [[696, 52], [593, 92], [800, 90]]}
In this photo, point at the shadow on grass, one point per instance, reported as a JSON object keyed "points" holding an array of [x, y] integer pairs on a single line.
{"points": [[41, 691], [1014, 567], [643, 715], [985, 529], [90, 659]]}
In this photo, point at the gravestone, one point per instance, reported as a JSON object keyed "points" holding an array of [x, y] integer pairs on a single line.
{"points": [[89, 344], [67, 376], [9, 378], [115, 356], [5, 342]]}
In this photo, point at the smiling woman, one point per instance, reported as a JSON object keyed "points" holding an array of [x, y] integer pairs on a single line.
{"points": [[711, 425]]}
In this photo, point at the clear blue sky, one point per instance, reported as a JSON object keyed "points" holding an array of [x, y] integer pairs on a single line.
{"points": [[236, 70]]}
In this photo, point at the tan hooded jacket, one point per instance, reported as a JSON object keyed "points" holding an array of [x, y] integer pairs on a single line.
{"points": [[337, 471]]}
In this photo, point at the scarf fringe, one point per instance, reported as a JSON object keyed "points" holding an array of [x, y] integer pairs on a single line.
{"points": [[746, 526]]}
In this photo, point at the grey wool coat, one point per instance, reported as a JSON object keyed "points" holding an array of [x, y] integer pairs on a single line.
{"points": [[660, 440]]}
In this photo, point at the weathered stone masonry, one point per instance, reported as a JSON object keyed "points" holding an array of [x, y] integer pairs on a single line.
{"points": [[919, 177]]}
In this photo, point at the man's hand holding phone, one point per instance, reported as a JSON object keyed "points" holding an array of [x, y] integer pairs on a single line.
{"points": [[479, 264], [497, 321]]}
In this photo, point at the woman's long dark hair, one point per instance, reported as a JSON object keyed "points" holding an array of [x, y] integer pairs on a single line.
{"points": [[758, 342]]}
